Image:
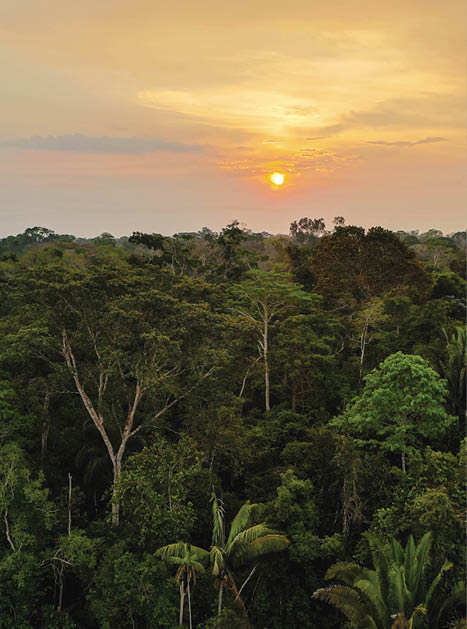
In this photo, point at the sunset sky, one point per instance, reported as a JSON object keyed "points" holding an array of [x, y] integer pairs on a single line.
{"points": [[162, 117]]}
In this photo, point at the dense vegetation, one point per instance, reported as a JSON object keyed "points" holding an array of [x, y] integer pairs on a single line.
{"points": [[233, 429]]}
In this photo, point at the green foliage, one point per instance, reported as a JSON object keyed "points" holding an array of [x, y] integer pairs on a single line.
{"points": [[401, 403], [352, 266], [131, 590], [430, 496], [397, 588], [140, 370], [154, 490]]}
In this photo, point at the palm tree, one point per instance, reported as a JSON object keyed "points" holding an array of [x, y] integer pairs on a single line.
{"points": [[242, 545], [396, 594], [453, 367], [190, 560]]}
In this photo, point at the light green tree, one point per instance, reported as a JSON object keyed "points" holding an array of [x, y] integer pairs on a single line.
{"points": [[401, 402]]}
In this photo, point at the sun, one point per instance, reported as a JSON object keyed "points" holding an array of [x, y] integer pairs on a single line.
{"points": [[277, 179]]}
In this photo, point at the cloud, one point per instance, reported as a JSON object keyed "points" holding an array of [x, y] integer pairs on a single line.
{"points": [[305, 160], [300, 110], [98, 144], [433, 111], [406, 143], [446, 110]]}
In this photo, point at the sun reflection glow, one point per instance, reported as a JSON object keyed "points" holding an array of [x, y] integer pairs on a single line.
{"points": [[277, 179]]}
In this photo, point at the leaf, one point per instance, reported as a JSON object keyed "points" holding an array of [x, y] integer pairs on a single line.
{"points": [[349, 603]]}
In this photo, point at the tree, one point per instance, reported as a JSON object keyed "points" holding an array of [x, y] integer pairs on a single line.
{"points": [[243, 544], [26, 517], [136, 342], [154, 491], [396, 589], [453, 367], [352, 267], [234, 257], [190, 559], [365, 322], [402, 401], [307, 230], [305, 349], [262, 300], [125, 340]]}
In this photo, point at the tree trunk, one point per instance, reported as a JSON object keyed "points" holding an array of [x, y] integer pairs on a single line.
{"points": [[266, 364], [60, 590], [182, 600], [69, 502], [189, 602], [117, 467], [45, 428], [219, 602], [363, 344], [403, 461]]}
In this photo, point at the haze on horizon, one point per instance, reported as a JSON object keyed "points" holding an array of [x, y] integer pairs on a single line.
{"points": [[122, 117]]}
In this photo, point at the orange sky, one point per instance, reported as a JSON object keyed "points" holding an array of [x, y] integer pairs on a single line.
{"points": [[141, 116]]}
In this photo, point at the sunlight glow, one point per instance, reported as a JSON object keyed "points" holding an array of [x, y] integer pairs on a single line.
{"points": [[277, 179]]}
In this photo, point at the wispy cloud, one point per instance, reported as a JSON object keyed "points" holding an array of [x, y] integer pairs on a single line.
{"points": [[406, 143], [307, 159], [98, 144]]}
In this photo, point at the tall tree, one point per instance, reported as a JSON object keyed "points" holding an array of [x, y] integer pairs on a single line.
{"points": [[262, 300], [351, 267]]}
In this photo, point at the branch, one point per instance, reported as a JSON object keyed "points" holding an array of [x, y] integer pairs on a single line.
{"points": [[173, 402], [246, 580], [7, 530], [246, 375], [247, 316], [96, 417]]}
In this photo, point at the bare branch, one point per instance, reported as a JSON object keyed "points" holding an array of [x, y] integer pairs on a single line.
{"points": [[7, 530], [95, 416]]}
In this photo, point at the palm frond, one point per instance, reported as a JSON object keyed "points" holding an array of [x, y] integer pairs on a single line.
{"points": [[370, 593], [218, 526], [183, 550], [397, 552], [422, 563], [410, 567], [346, 572], [347, 601], [245, 537], [433, 601], [431, 595], [272, 543], [216, 555], [382, 559], [186, 564], [241, 521], [171, 550], [399, 595]]}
